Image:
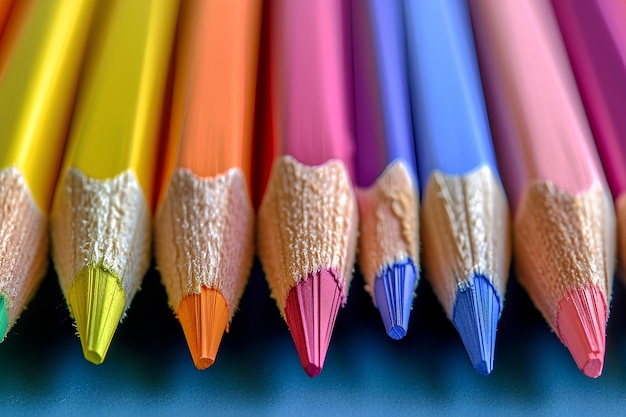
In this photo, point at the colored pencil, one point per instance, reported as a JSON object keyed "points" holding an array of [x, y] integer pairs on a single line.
{"points": [[465, 215], [204, 230], [388, 209], [100, 222], [37, 86], [5, 10], [564, 223], [597, 50], [308, 219]]}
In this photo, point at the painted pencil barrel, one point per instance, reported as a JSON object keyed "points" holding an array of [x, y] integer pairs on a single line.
{"points": [[40, 59], [448, 103], [308, 219], [100, 222], [207, 214], [596, 44]]}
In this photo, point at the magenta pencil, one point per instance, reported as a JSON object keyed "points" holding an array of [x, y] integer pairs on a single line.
{"points": [[594, 32], [564, 222], [308, 219]]}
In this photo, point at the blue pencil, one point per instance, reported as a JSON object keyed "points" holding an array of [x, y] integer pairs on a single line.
{"points": [[389, 238], [465, 217]]}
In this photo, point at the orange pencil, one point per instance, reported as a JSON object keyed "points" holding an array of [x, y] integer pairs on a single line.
{"points": [[204, 229], [5, 9]]}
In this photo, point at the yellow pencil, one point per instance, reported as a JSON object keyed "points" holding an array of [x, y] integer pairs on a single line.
{"points": [[39, 71], [101, 213]]}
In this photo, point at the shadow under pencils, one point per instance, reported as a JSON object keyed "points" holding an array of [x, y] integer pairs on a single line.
{"points": [[36, 347]]}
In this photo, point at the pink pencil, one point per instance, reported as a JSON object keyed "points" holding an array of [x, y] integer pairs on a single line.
{"points": [[594, 32], [308, 219], [564, 223]]}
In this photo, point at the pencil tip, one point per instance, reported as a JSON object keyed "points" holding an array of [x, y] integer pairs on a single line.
{"points": [[310, 312], [475, 315], [96, 300], [204, 318], [4, 317], [313, 370], [581, 324], [393, 290]]}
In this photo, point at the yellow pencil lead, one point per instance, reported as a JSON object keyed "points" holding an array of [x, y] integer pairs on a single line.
{"points": [[96, 300]]}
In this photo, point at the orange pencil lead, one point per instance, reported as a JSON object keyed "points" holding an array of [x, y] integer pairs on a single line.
{"points": [[204, 318]]}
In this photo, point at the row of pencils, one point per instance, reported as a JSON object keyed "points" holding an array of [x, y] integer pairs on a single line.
{"points": [[305, 131]]}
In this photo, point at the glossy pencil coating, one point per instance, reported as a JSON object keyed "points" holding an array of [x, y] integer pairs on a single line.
{"points": [[465, 216], [39, 70], [564, 224], [101, 214], [308, 219], [388, 209], [207, 214], [596, 43]]}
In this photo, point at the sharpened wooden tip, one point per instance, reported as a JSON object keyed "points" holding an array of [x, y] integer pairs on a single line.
{"points": [[204, 318], [581, 324], [96, 300]]}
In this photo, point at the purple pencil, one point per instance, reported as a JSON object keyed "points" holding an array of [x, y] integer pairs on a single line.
{"points": [[389, 238], [595, 38]]}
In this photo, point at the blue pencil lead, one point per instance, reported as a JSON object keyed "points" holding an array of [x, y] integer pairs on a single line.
{"points": [[393, 290], [475, 316]]}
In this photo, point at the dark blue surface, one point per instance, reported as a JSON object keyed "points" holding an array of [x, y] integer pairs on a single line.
{"points": [[148, 370]]}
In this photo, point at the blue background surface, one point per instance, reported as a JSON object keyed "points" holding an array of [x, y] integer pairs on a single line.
{"points": [[148, 370]]}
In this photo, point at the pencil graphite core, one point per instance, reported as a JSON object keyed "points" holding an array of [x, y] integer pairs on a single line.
{"points": [[204, 318]]}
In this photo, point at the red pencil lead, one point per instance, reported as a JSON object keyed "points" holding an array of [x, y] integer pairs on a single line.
{"points": [[310, 312]]}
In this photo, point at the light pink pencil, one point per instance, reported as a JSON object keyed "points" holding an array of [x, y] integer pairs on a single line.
{"points": [[564, 223]]}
